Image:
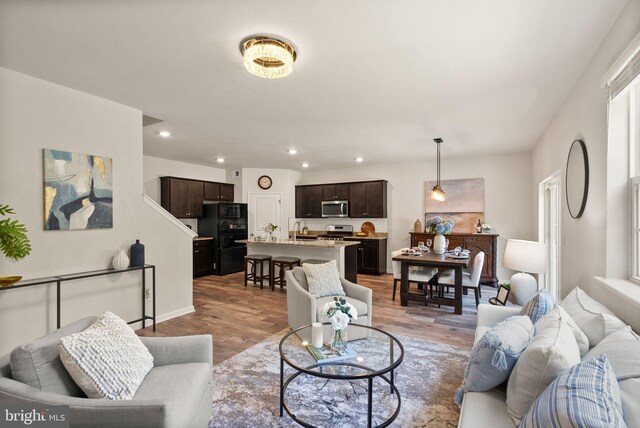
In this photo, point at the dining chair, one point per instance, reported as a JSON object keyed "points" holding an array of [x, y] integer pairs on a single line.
{"points": [[417, 274], [469, 279]]}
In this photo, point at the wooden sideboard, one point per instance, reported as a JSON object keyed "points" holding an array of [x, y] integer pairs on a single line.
{"points": [[475, 242]]}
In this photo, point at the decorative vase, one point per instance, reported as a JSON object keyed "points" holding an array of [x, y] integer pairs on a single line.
{"points": [[439, 244], [120, 260], [339, 340], [137, 254], [417, 226]]}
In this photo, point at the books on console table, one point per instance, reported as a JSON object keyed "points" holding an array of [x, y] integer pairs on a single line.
{"points": [[327, 355]]}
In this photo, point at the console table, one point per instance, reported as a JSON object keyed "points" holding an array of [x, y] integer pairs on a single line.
{"points": [[60, 279], [475, 242]]}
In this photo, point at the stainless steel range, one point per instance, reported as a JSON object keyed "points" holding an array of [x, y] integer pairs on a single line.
{"points": [[336, 232]]}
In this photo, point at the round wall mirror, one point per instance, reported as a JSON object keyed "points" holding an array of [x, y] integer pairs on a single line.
{"points": [[577, 178]]}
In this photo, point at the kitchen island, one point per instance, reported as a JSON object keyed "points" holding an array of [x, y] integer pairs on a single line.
{"points": [[343, 252]]}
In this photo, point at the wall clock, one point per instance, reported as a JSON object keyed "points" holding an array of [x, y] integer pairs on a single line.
{"points": [[265, 182]]}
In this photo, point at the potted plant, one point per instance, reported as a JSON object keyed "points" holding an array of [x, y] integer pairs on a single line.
{"points": [[14, 242]]}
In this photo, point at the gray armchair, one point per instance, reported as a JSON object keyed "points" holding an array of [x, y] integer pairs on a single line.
{"points": [[177, 392], [303, 308]]}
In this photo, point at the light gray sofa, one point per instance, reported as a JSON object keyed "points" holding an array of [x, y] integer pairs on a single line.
{"points": [[177, 392], [304, 309]]}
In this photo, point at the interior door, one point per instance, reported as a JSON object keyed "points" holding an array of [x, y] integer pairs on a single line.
{"points": [[265, 208]]}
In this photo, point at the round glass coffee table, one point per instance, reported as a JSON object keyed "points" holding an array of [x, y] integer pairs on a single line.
{"points": [[378, 354]]}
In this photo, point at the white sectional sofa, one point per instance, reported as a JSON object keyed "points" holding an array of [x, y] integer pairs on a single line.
{"points": [[489, 409]]}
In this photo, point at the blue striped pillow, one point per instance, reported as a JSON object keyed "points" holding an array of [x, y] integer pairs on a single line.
{"points": [[586, 396], [538, 306]]}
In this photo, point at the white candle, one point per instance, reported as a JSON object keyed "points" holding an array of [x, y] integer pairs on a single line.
{"points": [[316, 335]]}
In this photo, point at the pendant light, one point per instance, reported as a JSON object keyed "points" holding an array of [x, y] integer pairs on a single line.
{"points": [[437, 193]]}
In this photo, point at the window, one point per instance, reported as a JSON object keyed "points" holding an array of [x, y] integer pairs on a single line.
{"points": [[623, 164]]}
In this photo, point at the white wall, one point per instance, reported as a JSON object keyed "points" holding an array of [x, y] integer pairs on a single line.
{"points": [[284, 181], [508, 205], [35, 114], [584, 116]]}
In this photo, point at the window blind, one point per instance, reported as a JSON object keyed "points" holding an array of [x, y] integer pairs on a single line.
{"points": [[626, 76]]}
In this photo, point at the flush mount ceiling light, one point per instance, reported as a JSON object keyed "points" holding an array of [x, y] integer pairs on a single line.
{"points": [[220, 160], [164, 134], [267, 57], [292, 151], [305, 165], [437, 193], [359, 159]]}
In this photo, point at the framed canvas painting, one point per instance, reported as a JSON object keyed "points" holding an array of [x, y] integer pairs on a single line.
{"points": [[78, 191]]}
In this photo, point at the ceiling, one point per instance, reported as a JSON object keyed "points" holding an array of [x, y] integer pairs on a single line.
{"points": [[374, 78]]}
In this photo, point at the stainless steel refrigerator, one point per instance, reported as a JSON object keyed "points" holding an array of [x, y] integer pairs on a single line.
{"points": [[226, 222]]}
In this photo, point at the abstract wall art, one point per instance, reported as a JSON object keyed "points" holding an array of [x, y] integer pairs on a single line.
{"points": [[78, 191]]}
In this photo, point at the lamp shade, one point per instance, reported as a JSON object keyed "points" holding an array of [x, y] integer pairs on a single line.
{"points": [[525, 256]]}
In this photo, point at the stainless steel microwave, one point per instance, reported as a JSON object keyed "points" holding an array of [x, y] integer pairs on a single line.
{"points": [[335, 208]]}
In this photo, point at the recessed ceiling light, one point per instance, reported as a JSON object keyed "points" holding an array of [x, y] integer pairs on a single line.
{"points": [[359, 159], [305, 165], [220, 160], [292, 151], [164, 134]]}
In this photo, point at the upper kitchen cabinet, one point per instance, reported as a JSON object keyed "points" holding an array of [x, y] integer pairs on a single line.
{"points": [[368, 199], [335, 192], [182, 197], [218, 192], [309, 201]]}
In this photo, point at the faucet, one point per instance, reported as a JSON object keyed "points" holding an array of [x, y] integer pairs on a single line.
{"points": [[296, 226]]}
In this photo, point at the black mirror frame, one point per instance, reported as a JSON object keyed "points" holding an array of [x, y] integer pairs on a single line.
{"points": [[585, 192]]}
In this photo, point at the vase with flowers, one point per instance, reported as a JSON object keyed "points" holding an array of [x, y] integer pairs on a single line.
{"points": [[439, 227], [270, 228], [14, 243], [340, 313]]}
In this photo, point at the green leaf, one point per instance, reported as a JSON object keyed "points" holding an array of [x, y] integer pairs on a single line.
{"points": [[14, 242]]}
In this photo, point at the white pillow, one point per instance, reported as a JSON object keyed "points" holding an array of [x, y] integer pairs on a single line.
{"points": [[594, 319], [552, 351], [323, 279], [581, 338], [107, 360]]}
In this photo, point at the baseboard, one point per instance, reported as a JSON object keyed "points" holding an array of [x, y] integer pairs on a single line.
{"points": [[165, 317]]}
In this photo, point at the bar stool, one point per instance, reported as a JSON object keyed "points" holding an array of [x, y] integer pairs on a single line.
{"points": [[282, 263], [251, 272], [315, 261]]}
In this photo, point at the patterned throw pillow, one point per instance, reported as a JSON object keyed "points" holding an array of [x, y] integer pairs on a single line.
{"points": [[107, 360], [539, 305], [495, 354], [586, 396], [323, 279]]}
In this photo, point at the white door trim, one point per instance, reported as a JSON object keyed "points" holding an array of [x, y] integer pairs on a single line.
{"points": [[553, 179]]}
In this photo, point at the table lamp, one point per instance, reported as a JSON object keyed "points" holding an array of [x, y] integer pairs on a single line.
{"points": [[527, 257]]}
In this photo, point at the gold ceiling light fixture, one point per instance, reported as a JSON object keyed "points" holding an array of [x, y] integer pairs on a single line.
{"points": [[437, 193], [267, 57]]}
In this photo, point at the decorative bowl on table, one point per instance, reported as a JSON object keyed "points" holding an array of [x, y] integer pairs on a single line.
{"points": [[361, 234], [6, 281]]}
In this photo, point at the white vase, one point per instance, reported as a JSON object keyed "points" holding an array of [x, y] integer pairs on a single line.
{"points": [[120, 260], [439, 244]]}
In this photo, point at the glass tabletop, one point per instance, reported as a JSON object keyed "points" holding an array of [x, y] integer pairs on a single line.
{"points": [[377, 352]]}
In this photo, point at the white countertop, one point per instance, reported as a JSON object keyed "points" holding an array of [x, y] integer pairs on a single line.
{"points": [[304, 243]]}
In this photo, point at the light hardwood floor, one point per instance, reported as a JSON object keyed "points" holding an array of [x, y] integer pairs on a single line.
{"points": [[240, 317]]}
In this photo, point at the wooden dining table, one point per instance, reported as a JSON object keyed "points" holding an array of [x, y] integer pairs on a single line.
{"points": [[433, 260]]}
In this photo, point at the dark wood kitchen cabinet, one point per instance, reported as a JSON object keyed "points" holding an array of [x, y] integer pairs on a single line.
{"points": [[309, 201], [372, 255], [218, 192], [202, 257], [335, 192], [368, 199], [182, 197], [475, 242]]}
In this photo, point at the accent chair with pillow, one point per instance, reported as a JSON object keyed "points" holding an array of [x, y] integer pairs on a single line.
{"points": [[306, 297], [172, 389]]}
